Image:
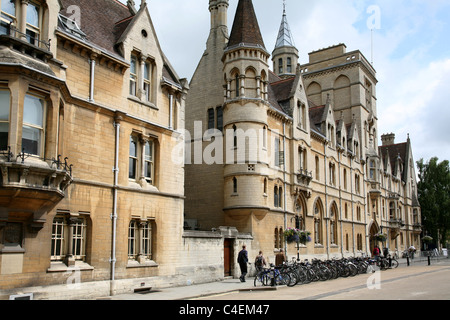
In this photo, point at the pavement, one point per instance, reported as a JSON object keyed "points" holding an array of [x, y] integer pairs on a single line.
{"points": [[225, 287]]}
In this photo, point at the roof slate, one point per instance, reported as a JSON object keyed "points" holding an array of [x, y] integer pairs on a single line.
{"points": [[103, 21], [245, 26]]}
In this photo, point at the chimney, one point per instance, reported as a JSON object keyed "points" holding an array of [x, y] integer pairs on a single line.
{"points": [[388, 139]]}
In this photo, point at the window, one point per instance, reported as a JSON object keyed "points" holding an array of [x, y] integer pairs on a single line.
{"points": [[265, 186], [147, 81], [278, 238], [4, 118], [276, 199], [372, 169], [345, 179], [33, 125], [317, 169], [238, 86], [333, 225], [140, 234], [357, 184], [280, 66], [132, 170], [141, 166], [68, 238], [317, 223], [235, 185], [391, 210], [12, 234], [8, 16], [277, 152], [234, 136], [219, 119], [332, 174], [211, 119], [33, 23], [133, 76], [265, 137], [149, 155], [289, 65]]}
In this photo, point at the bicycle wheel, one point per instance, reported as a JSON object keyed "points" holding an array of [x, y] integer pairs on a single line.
{"points": [[283, 279], [301, 276], [261, 279], [394, 264]]}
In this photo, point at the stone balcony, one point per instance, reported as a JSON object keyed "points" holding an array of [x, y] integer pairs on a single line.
{"points": [[32, 187], [302, 183], [304, 177], [374, 189]]}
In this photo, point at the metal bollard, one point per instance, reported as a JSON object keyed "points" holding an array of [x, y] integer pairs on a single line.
{"points": [[407, 261], [273, 277], [429, 260]]}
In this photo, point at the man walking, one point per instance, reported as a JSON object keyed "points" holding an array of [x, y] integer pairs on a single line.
{"points": [[243, 260]]}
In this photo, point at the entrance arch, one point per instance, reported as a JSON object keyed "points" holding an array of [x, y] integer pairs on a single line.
{"points": [[373, 230]]}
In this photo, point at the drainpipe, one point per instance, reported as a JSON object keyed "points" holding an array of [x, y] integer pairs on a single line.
{"points": [[92, 78], [326, 212], [170, 111], [114, 213], [284, 184]]}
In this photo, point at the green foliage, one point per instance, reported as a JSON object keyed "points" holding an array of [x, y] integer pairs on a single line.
{"points": [[434, 197]]}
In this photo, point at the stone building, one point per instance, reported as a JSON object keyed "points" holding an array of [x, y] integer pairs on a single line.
{"points": [[91, 110], [292, 147]]}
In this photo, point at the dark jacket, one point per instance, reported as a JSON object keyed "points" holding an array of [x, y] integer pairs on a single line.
{"points": [[242, 257]]}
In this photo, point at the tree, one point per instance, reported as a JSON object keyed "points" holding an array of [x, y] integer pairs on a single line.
{"points": [[434, 197]]}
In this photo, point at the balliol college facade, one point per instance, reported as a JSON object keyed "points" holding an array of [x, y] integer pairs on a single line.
{"points": [[92, 199]]}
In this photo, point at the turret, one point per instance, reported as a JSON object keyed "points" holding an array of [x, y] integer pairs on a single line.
{"points": [[219, 10], [285, 55]]}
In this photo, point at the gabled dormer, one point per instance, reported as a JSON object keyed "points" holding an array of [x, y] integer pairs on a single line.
{"points": [[354, 143], [342, 135]]}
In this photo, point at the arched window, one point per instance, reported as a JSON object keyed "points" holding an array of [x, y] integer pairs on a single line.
{"points": [[235, 185], [289, 65], [238, 85], [333, 224], [280, 66], [318, 222], [275, 197], [300, 210], [317, 169]]}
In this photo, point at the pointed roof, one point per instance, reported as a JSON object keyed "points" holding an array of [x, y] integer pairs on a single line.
{"points": [[245, 27], [285, 38]]}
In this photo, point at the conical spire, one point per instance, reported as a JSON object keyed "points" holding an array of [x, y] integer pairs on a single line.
{"points": [[285, 38], [245, 27]]}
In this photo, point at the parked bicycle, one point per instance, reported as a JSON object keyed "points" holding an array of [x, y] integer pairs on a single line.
{"points": [[272, 276]]}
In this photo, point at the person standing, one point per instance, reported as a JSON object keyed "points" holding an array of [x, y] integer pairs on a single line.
{"points": [[280, 258], [376, 253], [260, 262], [243, 260]]}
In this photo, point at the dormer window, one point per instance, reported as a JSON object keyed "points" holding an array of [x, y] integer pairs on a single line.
{"points": [[70, 26]]}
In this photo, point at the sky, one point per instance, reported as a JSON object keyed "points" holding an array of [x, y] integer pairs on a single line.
{"points": [[408, 42]]}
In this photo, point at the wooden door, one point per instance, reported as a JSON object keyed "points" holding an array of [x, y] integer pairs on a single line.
{"points": [[228, 257]]}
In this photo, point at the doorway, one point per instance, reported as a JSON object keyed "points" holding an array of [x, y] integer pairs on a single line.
{"points": [[372, 241], [228, 257]]}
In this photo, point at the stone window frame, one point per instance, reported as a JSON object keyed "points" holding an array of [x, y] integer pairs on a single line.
{"points": [[141, 243], [140, 159]]}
